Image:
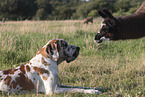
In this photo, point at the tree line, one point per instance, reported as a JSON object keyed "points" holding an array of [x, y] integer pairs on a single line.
{"points": [[63, 9]]}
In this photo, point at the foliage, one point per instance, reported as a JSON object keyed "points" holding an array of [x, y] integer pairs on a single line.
{"points": [[93, 13], [40, 14], [123, 5], [86, 8], [14, 9], [61, 9], [44, 9]]}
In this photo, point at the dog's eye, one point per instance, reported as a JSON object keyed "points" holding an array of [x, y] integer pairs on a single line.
{"points": [[65, 44]]}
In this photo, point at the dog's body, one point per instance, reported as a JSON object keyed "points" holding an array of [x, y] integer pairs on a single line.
{"points": [[40, 74]]}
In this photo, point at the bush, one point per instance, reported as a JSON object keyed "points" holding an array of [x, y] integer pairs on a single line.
{"points": [[93, 13], [40, 14]]}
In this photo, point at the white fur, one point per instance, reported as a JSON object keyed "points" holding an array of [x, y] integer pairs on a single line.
{"points": [[50, 84]]}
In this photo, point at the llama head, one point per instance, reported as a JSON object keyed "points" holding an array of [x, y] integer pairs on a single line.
{"points": [[108, 29]]}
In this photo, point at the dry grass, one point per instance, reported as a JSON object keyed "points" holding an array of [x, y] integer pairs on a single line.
{"points": [[117, 66]]}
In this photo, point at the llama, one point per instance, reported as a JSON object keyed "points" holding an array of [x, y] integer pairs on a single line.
{"points": [[121, 28], [88, 20]]}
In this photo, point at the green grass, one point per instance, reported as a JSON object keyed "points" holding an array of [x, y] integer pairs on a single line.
{"points": [[117, 66]]}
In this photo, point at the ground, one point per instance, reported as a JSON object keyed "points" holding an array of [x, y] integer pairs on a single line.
{"points": [[117, 66]]}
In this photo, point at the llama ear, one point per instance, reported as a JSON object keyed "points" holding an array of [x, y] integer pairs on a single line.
{"points": [[105, 13], [108, 13], [101, 13]]}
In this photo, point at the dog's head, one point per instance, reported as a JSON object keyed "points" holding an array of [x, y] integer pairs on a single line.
{"points": [[108, 29], [59, 50]]}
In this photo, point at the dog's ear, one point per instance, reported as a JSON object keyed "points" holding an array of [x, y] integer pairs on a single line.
{"points": [[53, 49], [49, 49], [57, 46]]}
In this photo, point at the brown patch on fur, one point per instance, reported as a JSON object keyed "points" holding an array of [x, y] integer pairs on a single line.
{"points": [[9, 71], [23, 82], [44, 62], [44, 77], [41, 70], [29, 63], [22, 68], [28, 68], [43, 52], [8, 80], [53, 41]]}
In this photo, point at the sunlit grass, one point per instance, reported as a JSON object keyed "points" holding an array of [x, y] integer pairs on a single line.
{"points": [[117, 66]]}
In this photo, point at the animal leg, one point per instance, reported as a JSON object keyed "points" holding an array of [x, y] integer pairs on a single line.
{"points": [[76, 89]]}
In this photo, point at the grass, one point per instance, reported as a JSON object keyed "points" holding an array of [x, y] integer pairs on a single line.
{"points": [[117, 66]]}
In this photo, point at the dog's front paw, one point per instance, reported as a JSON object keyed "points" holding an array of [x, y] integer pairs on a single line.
{"points": [[92, 91]]}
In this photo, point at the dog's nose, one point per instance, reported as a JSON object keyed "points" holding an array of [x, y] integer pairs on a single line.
{"points": [[78, 48]]}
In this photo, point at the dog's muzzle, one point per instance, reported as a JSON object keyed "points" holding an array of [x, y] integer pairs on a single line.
{"points": [[73, 56], [77, 52]]}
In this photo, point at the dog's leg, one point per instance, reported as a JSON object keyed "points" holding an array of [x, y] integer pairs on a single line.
{"points": [[80, 87], [74, 89]]}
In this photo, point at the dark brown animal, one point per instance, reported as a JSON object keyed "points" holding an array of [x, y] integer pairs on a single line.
{"points": [[125, 27], [88, 20]]}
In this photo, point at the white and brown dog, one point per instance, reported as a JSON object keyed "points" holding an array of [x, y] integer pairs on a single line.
{"points": [[40, 74]]}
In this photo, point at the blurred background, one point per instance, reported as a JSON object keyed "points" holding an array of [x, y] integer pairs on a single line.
{"points": [[63, 9]]}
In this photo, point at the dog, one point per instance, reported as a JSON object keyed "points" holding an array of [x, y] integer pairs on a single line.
{"points": [[40, 74]]}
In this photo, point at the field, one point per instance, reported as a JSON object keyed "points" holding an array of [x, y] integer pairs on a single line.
{"points": [[117, 66]]}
